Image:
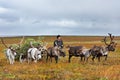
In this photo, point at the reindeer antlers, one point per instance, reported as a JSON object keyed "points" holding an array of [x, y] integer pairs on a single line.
{"points": [[105, 40], [7, 46], [3, 43], [111, 37]]}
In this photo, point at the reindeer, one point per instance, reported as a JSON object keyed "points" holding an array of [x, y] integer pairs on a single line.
{"points": [[75, 51], [55, 52], [34, 53], [78, 51], [98, 51], [10, 52]]}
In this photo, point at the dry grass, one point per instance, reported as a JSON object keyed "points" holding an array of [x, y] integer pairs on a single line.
{"points": [[76, 70]]}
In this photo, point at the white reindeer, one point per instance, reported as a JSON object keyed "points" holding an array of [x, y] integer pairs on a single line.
{"points": [[33, 53], [10, 53]]}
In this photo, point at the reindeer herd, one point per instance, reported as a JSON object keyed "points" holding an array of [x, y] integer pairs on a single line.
{"points": [[37, 53]]}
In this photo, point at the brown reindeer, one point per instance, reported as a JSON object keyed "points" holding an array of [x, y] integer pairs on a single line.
{"points": [[79, 51], [74, 51], [98, 51], [55, 52]]}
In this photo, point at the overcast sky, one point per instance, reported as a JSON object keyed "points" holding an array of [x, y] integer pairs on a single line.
{"points": [[65, 17]]}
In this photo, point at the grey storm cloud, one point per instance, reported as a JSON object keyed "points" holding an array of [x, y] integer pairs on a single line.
{"points": [[66, 17]]}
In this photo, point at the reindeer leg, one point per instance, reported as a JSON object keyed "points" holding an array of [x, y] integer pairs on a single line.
{"points": [[81, 58], [13, 60], [87, 59], [29, 59], [9, 59], [47, 58], [99, 58], [20, 58], [106, 57], [56, 59], [84, 57], [51, 58], [93, 58], [35, 60], [69, 58]]}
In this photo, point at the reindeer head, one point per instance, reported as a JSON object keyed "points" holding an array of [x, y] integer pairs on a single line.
{"points": [[112, 45]]}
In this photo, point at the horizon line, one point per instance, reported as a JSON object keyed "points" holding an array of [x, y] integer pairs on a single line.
{"points": [[52, 35]]}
